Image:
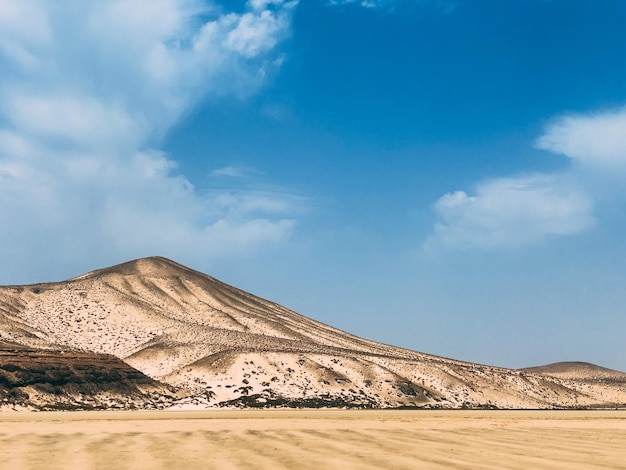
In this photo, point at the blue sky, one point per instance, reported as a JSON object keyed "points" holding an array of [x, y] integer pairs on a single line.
{"points": [[441, 175]]}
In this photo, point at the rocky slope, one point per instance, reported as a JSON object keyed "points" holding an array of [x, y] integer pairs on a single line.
{"points": [[221, 346], [65, 379]]}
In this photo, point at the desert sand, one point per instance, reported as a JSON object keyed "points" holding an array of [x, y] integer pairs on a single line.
{"points": [[306, 439]]}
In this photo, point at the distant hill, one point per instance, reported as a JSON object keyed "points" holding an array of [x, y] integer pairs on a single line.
{"points": [[220, 346], [577, 370]]}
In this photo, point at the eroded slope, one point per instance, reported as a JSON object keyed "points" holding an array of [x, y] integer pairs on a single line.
{"points": [[68, 379]]}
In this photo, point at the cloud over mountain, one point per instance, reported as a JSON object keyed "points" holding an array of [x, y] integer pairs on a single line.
{"points": [[89, 90]]}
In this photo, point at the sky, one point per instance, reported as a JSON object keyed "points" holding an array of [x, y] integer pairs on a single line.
{"points": [[442, 175]]}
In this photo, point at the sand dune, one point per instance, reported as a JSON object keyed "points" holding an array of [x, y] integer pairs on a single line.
{"points": [[355, 439]]}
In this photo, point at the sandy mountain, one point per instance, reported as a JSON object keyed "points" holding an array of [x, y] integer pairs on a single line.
{"points": [[221, 346]]}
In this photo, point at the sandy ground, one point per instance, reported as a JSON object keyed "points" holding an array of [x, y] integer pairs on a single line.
{"points": [[303, 439]]}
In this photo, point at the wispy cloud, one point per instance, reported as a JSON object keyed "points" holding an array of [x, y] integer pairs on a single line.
{"points": [[87, 91], [235, 171], [363, 3], [596, 140], [527, 210], [443, 6], [511, 212]]}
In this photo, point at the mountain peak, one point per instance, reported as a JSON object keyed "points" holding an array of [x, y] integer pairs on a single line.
{"points": [[151, 267]]}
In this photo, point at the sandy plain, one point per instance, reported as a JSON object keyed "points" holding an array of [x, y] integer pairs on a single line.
{"points": [[307, 439]]}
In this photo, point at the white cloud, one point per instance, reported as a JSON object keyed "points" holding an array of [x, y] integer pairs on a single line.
{"points": [[254, 33], [236, 171], [511, 212], [87, 91], [364, 3], [262, 4], [75, 120], [522, 211], [444, 6], [596, 140]]}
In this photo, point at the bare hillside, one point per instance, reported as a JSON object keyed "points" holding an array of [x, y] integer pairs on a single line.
{"points": [[222, 346], [51, 379]]}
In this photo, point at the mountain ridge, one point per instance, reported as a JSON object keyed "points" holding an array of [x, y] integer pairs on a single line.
{"points": [[222, 346]]}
